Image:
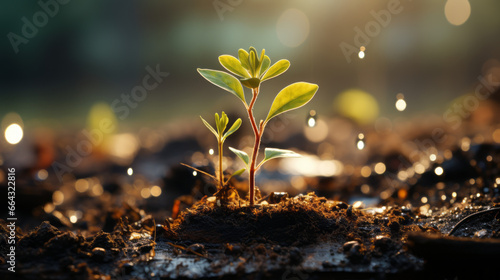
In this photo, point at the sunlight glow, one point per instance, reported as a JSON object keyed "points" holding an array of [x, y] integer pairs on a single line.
{"points": [[14, 133]]}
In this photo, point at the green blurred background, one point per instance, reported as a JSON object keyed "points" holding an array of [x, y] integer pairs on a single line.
{"points": [[95, 51]]}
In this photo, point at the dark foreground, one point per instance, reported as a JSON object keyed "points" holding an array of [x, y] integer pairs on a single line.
{"points": [[305, 237]]}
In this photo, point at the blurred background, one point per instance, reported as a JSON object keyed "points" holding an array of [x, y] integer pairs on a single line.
{"points": [[94, 51], [107, 91]]}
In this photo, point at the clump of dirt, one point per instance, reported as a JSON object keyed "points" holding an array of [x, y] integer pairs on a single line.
{"points": [[50, 251], [296, 221]]}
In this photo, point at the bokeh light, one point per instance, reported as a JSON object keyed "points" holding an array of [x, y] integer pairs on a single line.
{"points": [[438, 170], [155, 191], [14, 133], [357, 105], [81, 185], [318, 132], [457, 11], [379, 168], [292, 28], [400, 105]]}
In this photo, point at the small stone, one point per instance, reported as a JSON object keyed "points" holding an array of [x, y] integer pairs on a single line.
{"points": [[481, 233], [352, 249], [128, 267], [341, 205], [277, 197], [382, 242], [98, 253], [349, 244]]}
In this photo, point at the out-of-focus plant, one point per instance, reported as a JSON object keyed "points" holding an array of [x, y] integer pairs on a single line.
{"points": [[250, 70], [221, 134]]}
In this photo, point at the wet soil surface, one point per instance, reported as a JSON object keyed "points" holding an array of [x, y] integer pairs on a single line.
{"points": [[304, 237]]}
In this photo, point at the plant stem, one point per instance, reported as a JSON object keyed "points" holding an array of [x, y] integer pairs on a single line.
{"points": [[258, 135], [221, 173]]}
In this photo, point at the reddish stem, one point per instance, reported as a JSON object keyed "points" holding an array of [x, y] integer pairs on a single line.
{"points": [[258, 135]]}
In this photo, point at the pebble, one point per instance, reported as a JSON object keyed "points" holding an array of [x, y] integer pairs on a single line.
{"points": [[382, 242], [98, 253], [481, 233]]}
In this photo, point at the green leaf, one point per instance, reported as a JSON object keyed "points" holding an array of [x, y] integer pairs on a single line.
{"points": [[243, 57], [224, 81], [292, 97], [224, 121], [253, 61], [221, 123], [270, 153], [251, 83], [266, 62], [259, 65], [242, 155], [217, 124], [238, 172], [210, 127], [233, 65], [233, 128], [277, 69]]}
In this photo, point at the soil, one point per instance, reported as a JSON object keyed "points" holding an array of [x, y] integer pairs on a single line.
{"points": [[304, 237]]}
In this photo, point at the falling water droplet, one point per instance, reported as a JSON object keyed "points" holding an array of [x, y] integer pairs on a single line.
{"points": [[439, 171], [360, 142], [400, 102], [361, 53], [311, 119]]}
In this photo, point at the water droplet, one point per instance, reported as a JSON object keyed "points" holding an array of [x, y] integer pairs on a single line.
{"points": [[361, 54], [400, 102], [439, 171], [433, 157], [360, 142], [311, 119]]}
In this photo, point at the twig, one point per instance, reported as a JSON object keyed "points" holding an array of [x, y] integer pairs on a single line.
{"points": [[187, 249]]}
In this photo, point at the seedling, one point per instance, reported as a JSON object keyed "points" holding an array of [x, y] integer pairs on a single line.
{"points": [[250, 70], [221, 134]]}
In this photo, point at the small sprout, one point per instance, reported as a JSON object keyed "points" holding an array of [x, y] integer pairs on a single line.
{"points": [[251, 69], [221, 134]]}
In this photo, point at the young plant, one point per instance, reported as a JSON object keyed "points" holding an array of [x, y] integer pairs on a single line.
{"points": [[250, 70], [221, 134], [221, 124]]}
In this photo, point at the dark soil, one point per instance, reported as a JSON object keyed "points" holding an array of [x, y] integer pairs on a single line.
{"points": [[304, 237]]}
